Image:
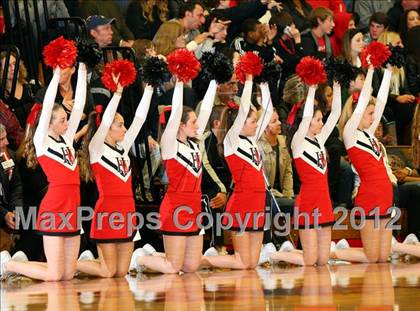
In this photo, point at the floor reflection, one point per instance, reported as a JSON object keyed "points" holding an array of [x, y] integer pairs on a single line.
{"points": [[340, 287]]}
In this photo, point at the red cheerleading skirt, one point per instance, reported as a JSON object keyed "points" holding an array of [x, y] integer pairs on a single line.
{"points": [[178, 214], [58, 211], [246, 211], [114, 220], [374, 194]]}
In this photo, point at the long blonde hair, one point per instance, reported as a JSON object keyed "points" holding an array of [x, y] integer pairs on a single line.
{"points": [[164, 39], [147, 7], [398, 74]]}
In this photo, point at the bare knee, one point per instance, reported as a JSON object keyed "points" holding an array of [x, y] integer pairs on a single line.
{"points": [[372, 258], [108, 272], [120, 274], [173, 268], [322, 261], [309, 260], [54, 276], [67, 276], [189, 268]]}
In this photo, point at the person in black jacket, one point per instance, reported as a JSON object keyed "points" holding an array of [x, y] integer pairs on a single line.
{"points": [[315, 41], [287, 44], [10, 186], [145, 17], [413, 61], [299, 10]]}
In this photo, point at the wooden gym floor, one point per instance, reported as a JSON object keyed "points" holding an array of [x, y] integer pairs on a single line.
{"points": [[393, 286]]}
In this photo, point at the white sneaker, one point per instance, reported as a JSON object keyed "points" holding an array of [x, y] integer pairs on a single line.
{"points": [[4, 258], [149, 249], [211, 252], [343, 244], [133, 262], [20, 256], [394, 255], [411, 239], [86, 255], [286, 247], [265, 253], [87, 298]]}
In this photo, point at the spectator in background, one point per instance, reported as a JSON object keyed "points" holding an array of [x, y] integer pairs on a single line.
{"points": [[256, 38], [15, 133], [353, 45], [366, 8], [378, 23], [343, 21], [315, 41], [287, 44], [413, 61], [144, 17], [396, 12], [299, 10], [401, 103], [10, 190], [170, 36], [100, 29], [122, 36], [22, 101], [410, 19]]}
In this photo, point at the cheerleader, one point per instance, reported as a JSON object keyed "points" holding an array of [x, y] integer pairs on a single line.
{"points": [[183, 241], [58, 212], [375, 195], [245, 208], [313, 206], [110, 164]]}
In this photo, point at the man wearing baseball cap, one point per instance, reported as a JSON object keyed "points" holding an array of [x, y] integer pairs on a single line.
{"points": [[104, 13], [100, 28]]}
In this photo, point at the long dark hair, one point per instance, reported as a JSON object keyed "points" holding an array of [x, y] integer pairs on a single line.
{"points": [[83, 155]]}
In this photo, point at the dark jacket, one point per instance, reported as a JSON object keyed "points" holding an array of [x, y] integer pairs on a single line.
{"points": [[310, 46], [412, 74], [300, 20], [139, 25], [15, 133], [238, 14], [10, 190], [108, 9]]}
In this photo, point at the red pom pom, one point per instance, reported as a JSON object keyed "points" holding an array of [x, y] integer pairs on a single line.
{"points": [[122, 68], [60, 52], [378, 52], [183, 64], [311, 71], [249, 64]]}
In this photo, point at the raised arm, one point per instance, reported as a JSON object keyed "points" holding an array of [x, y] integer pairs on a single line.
{"points": [[308, 112], [168, 140], [334, 115], [97, 142], [206, 107], [267, 110], [41, 131], [139, 118], [79, 102], [354, 121], [232, 135], [381, 99]]}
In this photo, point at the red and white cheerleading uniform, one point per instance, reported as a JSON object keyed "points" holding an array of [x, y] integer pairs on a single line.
{"points": [[246, 205], [310, 159], [182, 202], [111, 167], [58, 211], [365, 153]]}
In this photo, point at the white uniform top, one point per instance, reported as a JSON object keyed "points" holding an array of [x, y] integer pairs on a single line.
{"points": [[60, 150], [312, 151]]}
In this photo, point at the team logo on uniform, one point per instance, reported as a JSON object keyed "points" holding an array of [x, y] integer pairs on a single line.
{"points": [[375, 147], [196, 162], [321, 161], [122, 166], [256, 159], [68, 156]]}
